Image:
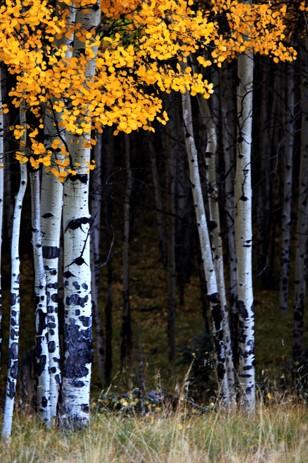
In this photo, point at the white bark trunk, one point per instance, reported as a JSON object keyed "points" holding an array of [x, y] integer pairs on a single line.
{"points": [[43, 386], [205, 246], [14, 298], [243, 232], [1, 204], [77, 267], [215, 232]]}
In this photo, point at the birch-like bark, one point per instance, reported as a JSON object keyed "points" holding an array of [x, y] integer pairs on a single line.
{"points": [[42, 353], [302, 222], [96, 207], [51, 215], [243, 232], [228, 144], [215, 233], [51, 219], [77, 266], [286, 221], [10, 391], [205, 246], [126, 342], [1, 205]]}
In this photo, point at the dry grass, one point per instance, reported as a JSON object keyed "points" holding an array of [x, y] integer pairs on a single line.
{"points": [[275, 434]]}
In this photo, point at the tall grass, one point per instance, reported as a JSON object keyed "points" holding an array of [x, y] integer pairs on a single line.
{"points": [[278, 433]]}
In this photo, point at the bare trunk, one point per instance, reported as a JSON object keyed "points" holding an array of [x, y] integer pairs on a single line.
{"points": [[302, 223], [126, 345], [243, 232], [287, 189], [96, 207], [215, 232], [205, 246], [42, 354], [14, 296]]}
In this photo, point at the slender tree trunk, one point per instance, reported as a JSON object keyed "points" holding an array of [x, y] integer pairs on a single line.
{"points": [[243, 232], [77, 267], [205, 246], [171, 265], [228, 141], [51, 219], [51, 216], [158, 202], [287, 189], [263, 187], [42, 353], [1, 206], [96, 207], [215, 232], [302, 222], [108, 153], [14, 297], [126, 345]]}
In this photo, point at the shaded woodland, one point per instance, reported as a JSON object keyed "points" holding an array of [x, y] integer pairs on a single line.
{"points": [[167, 248]]}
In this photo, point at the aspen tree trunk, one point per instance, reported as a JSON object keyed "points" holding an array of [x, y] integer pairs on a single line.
{"points": [[77, 267], [51, 215], [205, 246], [1, 206], [96, 206], [158, 202], [228, 142], [42, 353], [126, 344], [108, 153], [14, 296], [263, 188], [171, 265], [286, 221], [243, 232], [51, 219], [215, 232], [302, 221], [8, 205]]}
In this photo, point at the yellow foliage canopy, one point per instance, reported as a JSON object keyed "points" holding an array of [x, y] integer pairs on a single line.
{"points": [[139, 51]]}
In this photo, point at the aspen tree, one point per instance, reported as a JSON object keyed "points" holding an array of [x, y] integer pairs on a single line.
{"points": [[1, 201], [96, 192], [206, 250], [77, 267], [286, 219], [126, 341], [11, 381], [40, 289], [215, 234], [302, 214], [243, 232]]}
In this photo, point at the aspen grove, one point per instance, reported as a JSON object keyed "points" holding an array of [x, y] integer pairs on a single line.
{"points": [[195, 111]]}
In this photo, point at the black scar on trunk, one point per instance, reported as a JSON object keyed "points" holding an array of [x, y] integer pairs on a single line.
{"points": [[75, 299], [11, 388], [51, 252], [242, 309], [78, 343], [41, 363]]}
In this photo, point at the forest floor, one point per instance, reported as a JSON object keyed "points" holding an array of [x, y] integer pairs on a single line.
{"points": [[276, 434]]}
